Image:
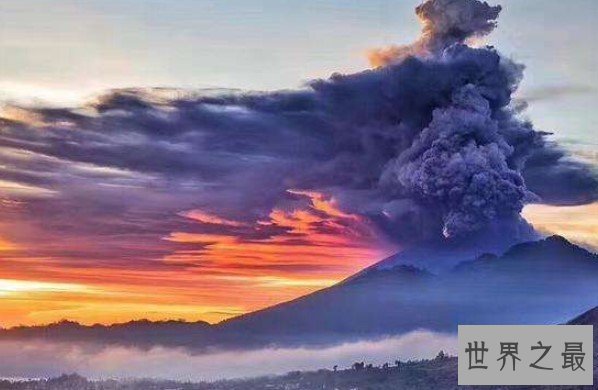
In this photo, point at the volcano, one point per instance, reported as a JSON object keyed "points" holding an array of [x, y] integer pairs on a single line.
{"points": [[540, 282]]}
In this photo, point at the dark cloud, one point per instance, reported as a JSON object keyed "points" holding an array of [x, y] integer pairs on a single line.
{"points": [[427, 145], [554, 92], [559, 179]]}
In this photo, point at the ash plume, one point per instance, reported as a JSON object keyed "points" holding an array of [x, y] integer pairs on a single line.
{"points": [[426, 146]]}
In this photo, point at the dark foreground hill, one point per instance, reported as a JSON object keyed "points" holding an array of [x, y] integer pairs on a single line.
{"points": [[439, 374], [540, 282]]}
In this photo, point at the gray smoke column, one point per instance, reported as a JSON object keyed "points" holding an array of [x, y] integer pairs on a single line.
{"points": [[460, 161], [426, 146]]}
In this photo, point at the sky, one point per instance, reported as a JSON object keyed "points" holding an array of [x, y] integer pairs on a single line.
{"points": [[89, 258]]}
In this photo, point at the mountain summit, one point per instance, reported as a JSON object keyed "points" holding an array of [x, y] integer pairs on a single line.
{"points": [[590, 317]]}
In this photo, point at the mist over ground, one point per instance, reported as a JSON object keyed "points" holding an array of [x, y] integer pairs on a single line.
{"points": [[38, 359]]}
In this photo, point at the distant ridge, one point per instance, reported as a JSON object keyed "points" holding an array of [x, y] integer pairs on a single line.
{"points": [[140, 333], [65, 324]]}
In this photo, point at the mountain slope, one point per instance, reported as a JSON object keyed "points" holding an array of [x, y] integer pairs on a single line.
{"points": [[546, 281], [590, 317]]}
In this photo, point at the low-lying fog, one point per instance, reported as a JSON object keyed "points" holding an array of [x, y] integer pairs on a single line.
{"points": [[36, 359]]}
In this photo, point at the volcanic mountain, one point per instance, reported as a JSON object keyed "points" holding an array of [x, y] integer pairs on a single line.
{"points": [[540, 282], [546, 281]]}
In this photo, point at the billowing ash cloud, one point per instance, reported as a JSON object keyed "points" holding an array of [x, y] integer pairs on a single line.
{"points": [[445, 22], [459, 161], [425, 146]]}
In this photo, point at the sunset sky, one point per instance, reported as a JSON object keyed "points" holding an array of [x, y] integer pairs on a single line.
{"points": [[93, 242]]}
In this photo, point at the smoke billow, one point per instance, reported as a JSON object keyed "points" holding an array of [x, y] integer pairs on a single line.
{"points": [[427, 145], [459, 161], [445, 22]]}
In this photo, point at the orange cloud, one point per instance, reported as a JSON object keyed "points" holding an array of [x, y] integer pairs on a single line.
{"points": [[319, 236], [392, 54], [312, 247], [223, 268], [203, 217]]}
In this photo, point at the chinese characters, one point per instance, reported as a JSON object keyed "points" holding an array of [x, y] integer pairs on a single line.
{"points": [[573, 355], [526, 355]]}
